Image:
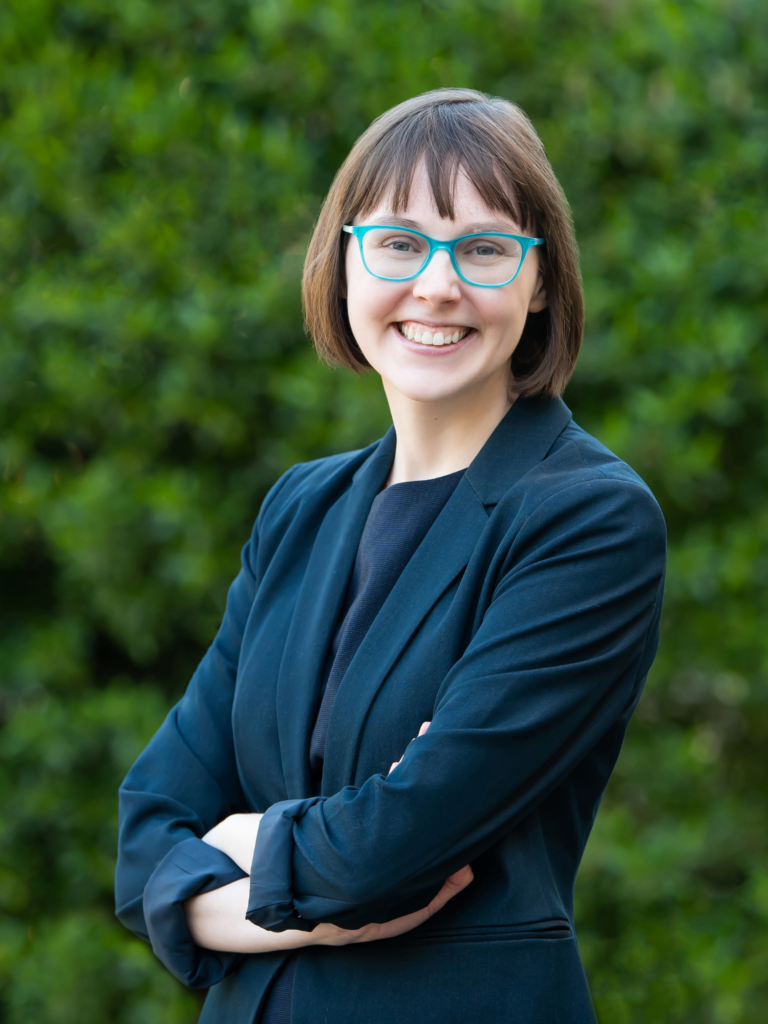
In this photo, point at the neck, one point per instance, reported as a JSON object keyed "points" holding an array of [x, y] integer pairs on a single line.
{"points": [[442, 437]]}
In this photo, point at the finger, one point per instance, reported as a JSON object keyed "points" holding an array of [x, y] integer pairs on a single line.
{"points": [[460, 879], [399, 925], [451, 887], [424, 727]]}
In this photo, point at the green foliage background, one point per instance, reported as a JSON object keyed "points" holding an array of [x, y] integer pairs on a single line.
{"points": [[161, 165]]}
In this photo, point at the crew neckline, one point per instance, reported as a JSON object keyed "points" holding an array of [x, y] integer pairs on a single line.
{"points": [[428, 480]]}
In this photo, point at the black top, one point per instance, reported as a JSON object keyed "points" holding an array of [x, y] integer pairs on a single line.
{"points": [[398, 522], [399, 519]]}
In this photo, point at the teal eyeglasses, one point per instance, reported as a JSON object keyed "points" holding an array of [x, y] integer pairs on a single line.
{"points": [[486, 259]]}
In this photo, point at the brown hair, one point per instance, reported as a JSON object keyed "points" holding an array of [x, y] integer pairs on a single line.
{"points": [[495, 144]]}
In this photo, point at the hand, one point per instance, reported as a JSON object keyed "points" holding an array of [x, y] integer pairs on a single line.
{"points": [[236, 836], [422, 730], [331, 935], [216, 920]]}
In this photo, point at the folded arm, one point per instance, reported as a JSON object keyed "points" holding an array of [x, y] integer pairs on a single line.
{"points": [[217, 920], [559, 656]]}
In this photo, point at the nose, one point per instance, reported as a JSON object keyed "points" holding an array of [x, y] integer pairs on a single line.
{"points": [[438, 283]]}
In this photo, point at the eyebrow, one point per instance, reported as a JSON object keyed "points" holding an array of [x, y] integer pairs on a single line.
{"points": [[472, 229]]}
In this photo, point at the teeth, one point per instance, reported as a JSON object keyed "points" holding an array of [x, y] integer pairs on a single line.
{"points": [[432, 338]]}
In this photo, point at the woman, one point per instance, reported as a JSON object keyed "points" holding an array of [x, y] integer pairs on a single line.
{"points": [[487, 575]]}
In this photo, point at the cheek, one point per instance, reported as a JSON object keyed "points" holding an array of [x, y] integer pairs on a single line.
{"points": [[371, 304], [502, 313], [367, 313]]}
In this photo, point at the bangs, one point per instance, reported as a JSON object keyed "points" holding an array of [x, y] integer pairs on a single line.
{"points": [[450, 140]]}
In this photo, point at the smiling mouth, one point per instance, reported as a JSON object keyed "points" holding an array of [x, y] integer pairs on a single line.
{"points": [[424, 335]]}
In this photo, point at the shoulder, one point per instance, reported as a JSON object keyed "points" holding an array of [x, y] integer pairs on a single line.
{"points": [[295, 505], [591, 457], [318, 481], [582, 485]]}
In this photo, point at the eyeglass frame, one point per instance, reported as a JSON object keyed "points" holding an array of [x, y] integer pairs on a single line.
{"points": [[360, 230]]}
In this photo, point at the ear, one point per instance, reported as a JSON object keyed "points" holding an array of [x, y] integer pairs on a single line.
{"points": [[539, 296]]}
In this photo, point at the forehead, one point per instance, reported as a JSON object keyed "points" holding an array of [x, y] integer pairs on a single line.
{"points": [[421, 204]]}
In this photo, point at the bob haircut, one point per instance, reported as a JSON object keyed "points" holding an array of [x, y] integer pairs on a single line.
{"points": [[492, 141]]}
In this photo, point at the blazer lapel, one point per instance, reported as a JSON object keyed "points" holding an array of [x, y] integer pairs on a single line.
{"points": [[441, 556], [316, 613], [520, 442]]}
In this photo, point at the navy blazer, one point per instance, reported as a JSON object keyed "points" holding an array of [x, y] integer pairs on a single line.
{"points": [[523, 628]]}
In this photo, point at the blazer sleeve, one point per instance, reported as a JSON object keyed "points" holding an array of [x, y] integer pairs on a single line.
{"points": [[559, 656], [184, 783]]}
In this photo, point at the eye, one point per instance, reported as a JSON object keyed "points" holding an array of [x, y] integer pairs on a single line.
{"points": [[400, 244], [489, 250], [392, 245]]}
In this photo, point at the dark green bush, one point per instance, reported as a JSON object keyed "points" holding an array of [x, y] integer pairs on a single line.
{"points": [[161, 165]]}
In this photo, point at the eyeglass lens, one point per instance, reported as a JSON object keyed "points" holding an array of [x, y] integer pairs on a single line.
{"points": [[482, 259]]}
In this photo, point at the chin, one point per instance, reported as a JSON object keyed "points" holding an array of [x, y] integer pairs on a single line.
{"points": [[428, 391]]}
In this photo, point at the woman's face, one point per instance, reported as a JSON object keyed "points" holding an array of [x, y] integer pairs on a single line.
{"points": [[489, 320]]}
